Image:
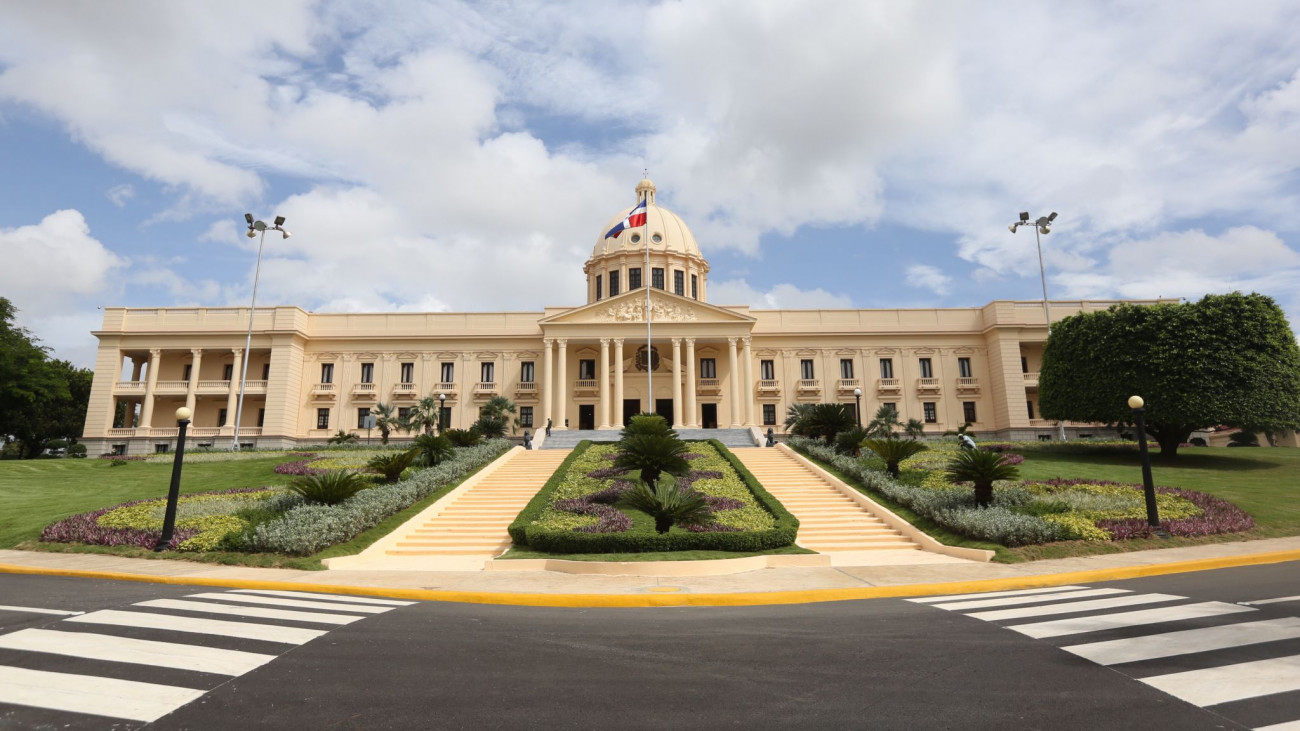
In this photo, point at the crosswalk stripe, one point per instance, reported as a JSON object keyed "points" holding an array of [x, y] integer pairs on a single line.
{"points": [[253, 599], [1186, 642], [1210, 686], [1014, 600], [1274, 601], [1079, 625], [330, 597], [244, 630], [1070, 607], [263, 612], [1287, 726], [36, 610], [139, 652], [992, 594], [128, 699]]}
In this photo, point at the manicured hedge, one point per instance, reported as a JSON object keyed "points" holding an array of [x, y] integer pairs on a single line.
{"points": [[558, 541]]}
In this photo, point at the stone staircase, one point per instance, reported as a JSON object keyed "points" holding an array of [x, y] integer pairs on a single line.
{"points": [[569, 438], [829, 521]]}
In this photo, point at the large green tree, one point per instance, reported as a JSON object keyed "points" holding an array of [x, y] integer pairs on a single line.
{"points": [[40, 399], [1227, 359]]}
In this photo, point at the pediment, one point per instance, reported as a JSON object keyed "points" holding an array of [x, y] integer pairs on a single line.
{"points": [[631, 307]]}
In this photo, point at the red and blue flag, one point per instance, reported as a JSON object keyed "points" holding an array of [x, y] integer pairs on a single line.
{"points": [[634, 219]]}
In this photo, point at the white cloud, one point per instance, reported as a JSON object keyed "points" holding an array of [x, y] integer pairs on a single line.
{"points": [[928, 277], [118, 195], [780, 296]]}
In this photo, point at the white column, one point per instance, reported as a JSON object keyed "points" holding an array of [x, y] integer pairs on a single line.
{"points": [[748, 385], [733, 375], [146, 412], [562, 373], [691, 421], [678, 422], [135, 369], [603, 421], [194, 378], [232, 398], [548, 381], [616, 417]]}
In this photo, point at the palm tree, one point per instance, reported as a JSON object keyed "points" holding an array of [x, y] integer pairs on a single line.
{"points": [[647, 424], [343, 437], [959, 431], [885, 423], [981, 468], [794, 417], [391, 466], [824, 421], [653, 454], [914, 428], [385, 421], [425, 415], [893, 451], [668, 503], [497, 406]]}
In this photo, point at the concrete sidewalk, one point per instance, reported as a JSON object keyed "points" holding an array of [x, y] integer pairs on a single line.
{"points": [[820, 583]]}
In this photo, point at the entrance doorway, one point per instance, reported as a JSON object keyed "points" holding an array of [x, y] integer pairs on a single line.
{"points": [[709, 416], [631, 407], [586, 416], [664, 408]]}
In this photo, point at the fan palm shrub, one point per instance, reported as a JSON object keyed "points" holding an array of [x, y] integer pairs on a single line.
{"points": [[391, 466], [794, 418], [885, 423], [914, 429], [497, 408], [433, 450], [491, 425], [824, 421], [343, 437], [653, 424], [981, 468], [330, 488], [848, 442], [652, 455], [462, 437], [668, 503], [893, 451], [385, 421], [425, 414]]}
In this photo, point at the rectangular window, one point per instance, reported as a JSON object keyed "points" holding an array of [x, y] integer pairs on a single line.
{"points": [[322, 418], [188, 370], [266, 371], [598, 287], [708, 368], [1024, 364], [487, 372], [362, 413], [586, 370], [927, 370], [767, 370], [613, 283], [695, 287], [1031, 409], [408, 373], [160, 448], [806, 371], [525, 416], [261, 418], [891, 406], [963, 367], [657, 277], [221, 417], [968, 411], [444, 418], [526, 371], [367, 372], [228, 372], [886, 367], [634, 278], [448, 372], [846, 368], [326, 372], [679, 283], [769, 414], [403, 413], [931, 414]]}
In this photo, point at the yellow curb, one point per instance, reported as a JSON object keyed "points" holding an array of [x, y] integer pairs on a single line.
{"points": [[739, 599]]}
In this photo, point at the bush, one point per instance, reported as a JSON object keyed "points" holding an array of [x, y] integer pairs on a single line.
{"points": [[647, 425], [651, 454], [391, 466], [1243, 439], [462, 437], [433, 451], [77, 451], [1198, 442], [329, 488], [849, 442], [491, 426], [668, 503]]}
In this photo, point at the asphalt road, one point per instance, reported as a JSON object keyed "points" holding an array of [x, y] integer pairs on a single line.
{"points": [[882, 663]]}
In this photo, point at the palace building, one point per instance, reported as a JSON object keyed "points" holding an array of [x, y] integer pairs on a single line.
{"points": [[709, 365]]}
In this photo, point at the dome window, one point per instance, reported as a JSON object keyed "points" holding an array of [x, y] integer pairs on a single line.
{"points": [[636, 238], [657, 239]]}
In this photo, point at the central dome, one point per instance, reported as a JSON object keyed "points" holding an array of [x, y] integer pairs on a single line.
{"points": [[668, 232]]}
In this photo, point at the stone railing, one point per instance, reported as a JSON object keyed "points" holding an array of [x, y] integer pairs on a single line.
{"points": [[121, 432], [848, 384], [968, 384], [485, 387], [586, 384], [170, 431], [223, 386], [526, 388], [171, 386], [250, 431], [888, 385], [404, 389], [927, 384], [1031, 380], [323, 390], [130, 386], [254, 386], [447, 387], [708, 385], [809, 384], [205, 431], [363, 389], [769, 386]]}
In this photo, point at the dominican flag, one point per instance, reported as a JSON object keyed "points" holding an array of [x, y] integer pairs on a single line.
{"points": [[634, 219]]}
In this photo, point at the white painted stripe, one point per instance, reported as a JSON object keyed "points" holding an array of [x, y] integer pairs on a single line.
{"points": [[251, 599], [1014, 600], [1273, 601], [992, 594], [263, 612], [1286, 726], [37, 610], [1078, 625], [243, 630], [140, 652], [330, 597], [88, 694], [1071, 607], [1186, 642], [1211, 686]]}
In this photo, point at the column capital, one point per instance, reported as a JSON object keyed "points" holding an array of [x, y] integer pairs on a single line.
{"points": [[564, 342], [237, 352], [196, 351], [690, 342], [618, 342], [426, 357], [155, 352], [748, 341], [732, 342], [604, 342], [677, 342], [548, 341]]}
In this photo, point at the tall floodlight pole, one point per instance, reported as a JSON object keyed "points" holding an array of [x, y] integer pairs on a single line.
{"points": [[1042, 226], [646, 281], [255, 229]]}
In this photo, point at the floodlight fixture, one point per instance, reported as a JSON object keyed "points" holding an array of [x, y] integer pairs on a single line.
{"points": [[249, 217], [286, 233], [1024, 215], [279, 220], [1042, 226]]}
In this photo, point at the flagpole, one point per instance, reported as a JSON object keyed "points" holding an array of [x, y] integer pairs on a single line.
{"points": [[647, 281]]}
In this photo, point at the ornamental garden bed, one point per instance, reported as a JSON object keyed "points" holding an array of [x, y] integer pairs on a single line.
{"points": [[577, 511]]}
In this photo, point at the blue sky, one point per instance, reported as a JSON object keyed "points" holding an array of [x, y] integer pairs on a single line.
{"points": [[452, 156]]}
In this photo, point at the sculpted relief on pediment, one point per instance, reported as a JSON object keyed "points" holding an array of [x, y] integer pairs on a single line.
{"points": [[634, 311]]}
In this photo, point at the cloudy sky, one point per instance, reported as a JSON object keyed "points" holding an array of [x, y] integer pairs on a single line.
{"points": [[448, 156]]}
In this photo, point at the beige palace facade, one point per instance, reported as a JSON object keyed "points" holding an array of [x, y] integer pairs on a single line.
{"points": [[710, 365]]}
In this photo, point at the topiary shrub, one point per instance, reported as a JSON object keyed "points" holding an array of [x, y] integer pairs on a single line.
{"points": [[462, 437], [647, 425], [77, 451], [652, 454]]}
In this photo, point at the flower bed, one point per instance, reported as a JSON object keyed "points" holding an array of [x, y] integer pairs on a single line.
{"points": [[203, 520], [575, 512], [1040, 511]]}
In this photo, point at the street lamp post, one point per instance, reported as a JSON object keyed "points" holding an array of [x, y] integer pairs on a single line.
{"points": [[857, 396], [1041, 226], [255, 229], [1148, 485], [442, 399], [174, 491]]}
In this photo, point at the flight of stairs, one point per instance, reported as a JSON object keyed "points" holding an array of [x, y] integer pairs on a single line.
{"points": [[829, 521], [569, 438], [474, 523]]}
